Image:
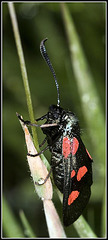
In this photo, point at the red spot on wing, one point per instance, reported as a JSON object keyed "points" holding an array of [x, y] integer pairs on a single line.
{"points": [[81, 172], [74, 146], [88, 154], [66, 147], [72, 197], [73, 173]]}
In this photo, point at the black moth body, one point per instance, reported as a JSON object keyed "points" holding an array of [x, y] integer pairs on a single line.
{"points": [[71, 163]]}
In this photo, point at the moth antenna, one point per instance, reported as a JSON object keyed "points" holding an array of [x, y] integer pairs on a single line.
{"points": [[46, 58]]}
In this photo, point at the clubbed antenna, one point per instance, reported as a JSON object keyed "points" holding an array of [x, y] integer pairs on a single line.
{"points": [[46, 58]]}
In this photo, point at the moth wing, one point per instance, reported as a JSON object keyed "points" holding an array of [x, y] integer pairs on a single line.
{"points": [[77, 182]]}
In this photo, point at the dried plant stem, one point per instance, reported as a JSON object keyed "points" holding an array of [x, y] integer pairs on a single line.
{"points": [[38, 170]]}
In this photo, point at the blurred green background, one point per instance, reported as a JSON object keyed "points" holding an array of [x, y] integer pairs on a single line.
{"points": [[37, 21]]}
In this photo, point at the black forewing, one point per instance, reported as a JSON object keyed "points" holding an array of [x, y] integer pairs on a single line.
{"points": [[81, 158]]}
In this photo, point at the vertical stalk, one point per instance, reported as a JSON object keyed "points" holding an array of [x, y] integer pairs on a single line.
{"points": [[23, 69]]}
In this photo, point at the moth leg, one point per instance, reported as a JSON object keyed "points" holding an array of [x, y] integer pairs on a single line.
{"points": [[28, 123], [40, 145], [38, 154], [42, 118], [42, 181]]}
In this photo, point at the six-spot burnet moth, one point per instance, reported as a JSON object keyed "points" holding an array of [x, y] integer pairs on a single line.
{"points": [[71, 163]]}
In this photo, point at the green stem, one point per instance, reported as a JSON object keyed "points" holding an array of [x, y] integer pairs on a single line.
{"points": [[28, 230], [11, 225], [23, 69], [83, 228]]}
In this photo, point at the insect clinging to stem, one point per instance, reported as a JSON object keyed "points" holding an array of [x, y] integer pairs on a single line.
{"points": [[71, 163]]}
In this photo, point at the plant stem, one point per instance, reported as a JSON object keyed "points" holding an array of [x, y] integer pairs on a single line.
{"points": [[23, 69]]}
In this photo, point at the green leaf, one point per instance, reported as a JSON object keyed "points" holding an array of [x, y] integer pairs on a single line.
{"points": [[11, 227]]}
